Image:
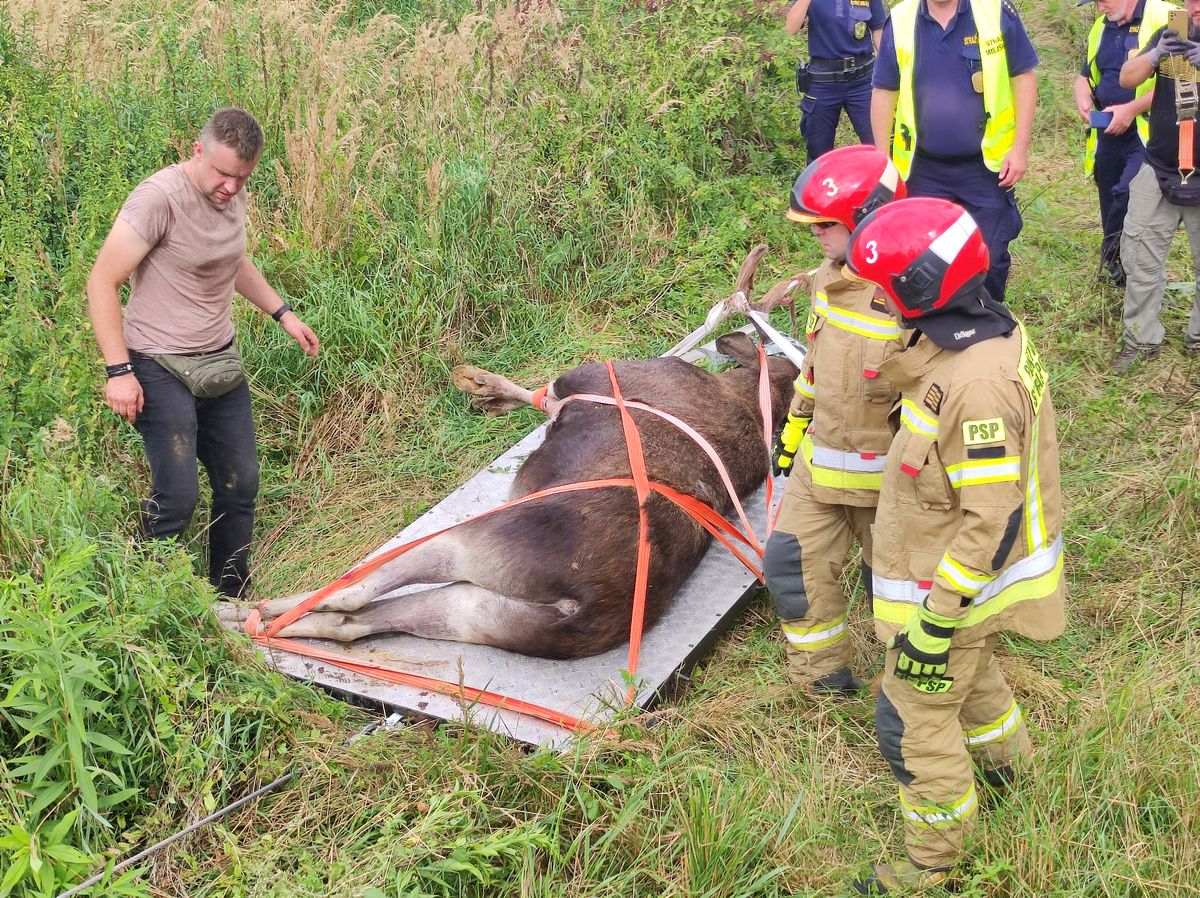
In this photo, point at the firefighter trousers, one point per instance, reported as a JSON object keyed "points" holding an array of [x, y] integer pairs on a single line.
{"points": [[803, 565], [929, 741]]}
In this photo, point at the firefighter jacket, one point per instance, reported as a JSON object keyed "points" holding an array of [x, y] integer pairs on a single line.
{"points": [[970, 514], [842, 389]]}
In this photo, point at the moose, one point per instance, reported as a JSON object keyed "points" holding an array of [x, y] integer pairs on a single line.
{"points": [[554, 577]]}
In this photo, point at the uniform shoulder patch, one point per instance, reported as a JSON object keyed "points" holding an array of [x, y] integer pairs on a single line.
{"points": [[988, 430], [934, 397]]}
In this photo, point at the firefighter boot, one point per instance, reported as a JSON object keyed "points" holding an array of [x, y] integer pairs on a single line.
{"points": [[885, 878], [841, 683]]}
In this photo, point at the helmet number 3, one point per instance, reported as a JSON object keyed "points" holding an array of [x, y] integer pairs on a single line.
{"points": [[830, 187], [872, 252]]}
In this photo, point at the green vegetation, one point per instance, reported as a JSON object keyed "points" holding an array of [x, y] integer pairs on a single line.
{"points": [[521, 188]]}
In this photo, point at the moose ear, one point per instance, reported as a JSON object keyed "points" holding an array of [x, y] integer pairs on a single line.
{"points": [[739, 345]]}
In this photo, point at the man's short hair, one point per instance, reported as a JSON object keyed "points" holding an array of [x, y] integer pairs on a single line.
{"points": [[236, 129]]}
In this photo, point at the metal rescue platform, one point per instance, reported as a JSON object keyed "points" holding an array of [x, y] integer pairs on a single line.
{"points": [[592, 688]]}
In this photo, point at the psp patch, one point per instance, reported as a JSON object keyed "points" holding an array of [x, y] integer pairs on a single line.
{"points": [[933, 398], [976, 433], [860, 30]]}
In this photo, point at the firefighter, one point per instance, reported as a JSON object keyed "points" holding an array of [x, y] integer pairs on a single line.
{"points": [[837, 425], [968, 533]]}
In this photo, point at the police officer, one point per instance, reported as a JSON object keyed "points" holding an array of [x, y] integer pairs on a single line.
{"points": [[1165, 191], [957, 79], [1113, 152], [968, 533], [830, 498], [842, 38]]}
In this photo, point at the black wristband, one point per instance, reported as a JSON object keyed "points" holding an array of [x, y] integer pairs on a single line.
{"points": [[281, 311], [119, 370]]}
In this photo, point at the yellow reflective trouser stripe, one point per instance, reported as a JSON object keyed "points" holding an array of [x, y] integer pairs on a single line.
{"points": [[855, 322], [996, 731], [963, 580], [809, 639], [916, 420], [1033, 577], [1035, 518], [836, 479], [979, 471], [936, 816]]}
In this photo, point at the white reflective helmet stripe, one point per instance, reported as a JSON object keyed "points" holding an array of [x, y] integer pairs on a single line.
{"points": [[951, 241], [890, 177]]}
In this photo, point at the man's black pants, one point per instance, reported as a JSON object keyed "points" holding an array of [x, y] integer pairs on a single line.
{"points": [[178, 429]]}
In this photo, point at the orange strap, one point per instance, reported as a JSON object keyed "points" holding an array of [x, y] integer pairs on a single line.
{"points": [[1187, 130], [641, 483], [538, 400]]}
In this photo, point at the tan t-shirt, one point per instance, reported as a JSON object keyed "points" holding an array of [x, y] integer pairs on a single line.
{"points": [[181, 295]]}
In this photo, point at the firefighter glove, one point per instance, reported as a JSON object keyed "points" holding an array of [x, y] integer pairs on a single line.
{"points": [[924, 646], [787, 444]]}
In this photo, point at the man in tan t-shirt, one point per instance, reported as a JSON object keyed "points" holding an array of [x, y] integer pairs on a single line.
{"points": [[180, 240]]}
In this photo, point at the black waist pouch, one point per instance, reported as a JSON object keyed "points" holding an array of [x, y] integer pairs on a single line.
{"points": [[803, 79]]}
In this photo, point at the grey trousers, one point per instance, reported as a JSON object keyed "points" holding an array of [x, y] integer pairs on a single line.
{"points": [[1150, 225]]}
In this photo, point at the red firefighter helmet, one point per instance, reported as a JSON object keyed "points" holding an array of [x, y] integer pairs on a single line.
{"points": [[845, 185], [922, 251]]}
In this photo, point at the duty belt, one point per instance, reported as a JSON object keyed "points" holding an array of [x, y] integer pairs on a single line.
{"points": [[851, 68]]}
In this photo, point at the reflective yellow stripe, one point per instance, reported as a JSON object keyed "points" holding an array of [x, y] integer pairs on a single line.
{"points": [[863, 325], [978, 471], [1033, 577], [962, 580], [809, 639], [838, 479], [937, 816], [996, 731], [1035, 517], [804, 388], [916, 420]]}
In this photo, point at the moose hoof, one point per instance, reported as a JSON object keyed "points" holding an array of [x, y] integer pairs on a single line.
{"points": [[475, 381]]}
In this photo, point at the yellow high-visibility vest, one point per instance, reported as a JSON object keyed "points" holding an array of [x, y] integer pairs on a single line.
{"points": [[1154, 16], [1000, 129]]}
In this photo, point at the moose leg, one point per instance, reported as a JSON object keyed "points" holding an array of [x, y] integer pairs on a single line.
{"points": [[435, 561], [494, 394], [462, 612]]}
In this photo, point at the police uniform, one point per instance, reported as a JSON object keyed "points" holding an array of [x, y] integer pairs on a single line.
{"points": [[831, 496], [955, 117], [1114, 159], [970, 520], [839, 70]]}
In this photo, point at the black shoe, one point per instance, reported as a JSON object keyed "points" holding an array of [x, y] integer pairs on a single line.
{"points": [[883, 878], [839, 683]]}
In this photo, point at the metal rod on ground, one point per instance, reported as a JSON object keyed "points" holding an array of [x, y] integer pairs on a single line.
{"points": [[154, 849]]}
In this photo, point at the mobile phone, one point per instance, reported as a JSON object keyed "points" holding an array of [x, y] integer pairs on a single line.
{"points": [[1098, 119], [1179, 22]]}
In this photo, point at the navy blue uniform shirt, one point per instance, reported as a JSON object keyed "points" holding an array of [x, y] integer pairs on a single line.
{"points": [[946, 101], [839, 29], [1116, 43]]}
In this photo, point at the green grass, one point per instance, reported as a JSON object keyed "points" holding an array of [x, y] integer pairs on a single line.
{"points": [[445, 182]]}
